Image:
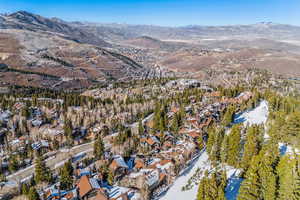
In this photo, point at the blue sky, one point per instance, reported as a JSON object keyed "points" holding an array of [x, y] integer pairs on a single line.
{"points": [[163, 12]]}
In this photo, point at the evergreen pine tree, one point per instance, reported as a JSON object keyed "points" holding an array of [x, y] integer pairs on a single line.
{"points": [[234, 143], [25, 189], [269, 156], [228, 116], [251, 187], [32, 194], [13, 163], [68, 129], [224, 149], [110, 177], [216, 148], [292, 127], [141, 128], [211, 186], [211, 139], [297, 178], [201, 142], [252, 145], [42, 173], [175, 124], [201, 189], [99, 148], [221, 194], [66, 176], [288, 176]]}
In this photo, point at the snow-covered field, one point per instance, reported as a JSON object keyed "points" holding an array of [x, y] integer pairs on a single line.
{"points": [[258, 115], [175, 192]]}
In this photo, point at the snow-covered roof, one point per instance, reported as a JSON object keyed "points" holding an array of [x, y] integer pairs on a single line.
{"points": [[36, 122], [135, 174], [117, 191], [164, 166], [94, 183], [152, 178], [120, 160], [39, 144]]}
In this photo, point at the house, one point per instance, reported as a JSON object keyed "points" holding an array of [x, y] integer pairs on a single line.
{"points": [[19, 105], [54, 132], [89, 189], [122, 193], [36, 122], [40, 144], [78, 133], [155, 178], [245, 96], [71, 195], [53, 192], [213, 94], [169, 137], [164, 166], [193, 135], [138, 164], [83, 172], [183, 131], [167, 145], [118, 166], [150, 142]]}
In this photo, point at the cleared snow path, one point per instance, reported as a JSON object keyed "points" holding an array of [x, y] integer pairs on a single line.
{"points": [[258, 115], [175, 192]]}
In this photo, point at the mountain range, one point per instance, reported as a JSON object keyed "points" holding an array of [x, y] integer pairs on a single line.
{"points": [[52, 53]]}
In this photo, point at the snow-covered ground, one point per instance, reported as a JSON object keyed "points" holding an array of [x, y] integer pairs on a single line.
{"points": [[175, 192], [233, 186], [234, 182], [287, 149], [258, 115]]}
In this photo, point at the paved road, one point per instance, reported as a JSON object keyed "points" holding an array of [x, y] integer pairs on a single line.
{"points": [[52, 162]]}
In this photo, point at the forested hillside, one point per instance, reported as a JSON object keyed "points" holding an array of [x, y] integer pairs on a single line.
{"points": [[266, 155]]}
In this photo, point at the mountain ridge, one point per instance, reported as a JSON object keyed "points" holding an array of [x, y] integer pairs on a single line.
{"points": [[35, 47]]}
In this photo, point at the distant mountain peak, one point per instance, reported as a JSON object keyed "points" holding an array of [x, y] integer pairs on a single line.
{"points": [[27, 17], [28, 21], [21, 13]]}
